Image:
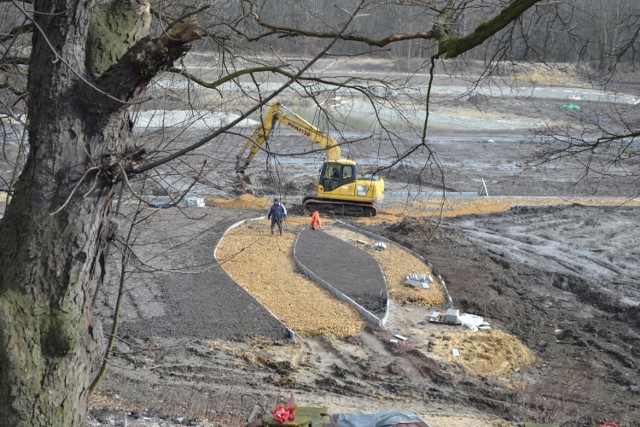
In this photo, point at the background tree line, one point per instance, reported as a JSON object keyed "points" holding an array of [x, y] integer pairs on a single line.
{"points": [[600, 33]]}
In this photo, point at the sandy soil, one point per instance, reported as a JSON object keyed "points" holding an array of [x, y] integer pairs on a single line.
{"points": [[264, 266], [550, 261]]}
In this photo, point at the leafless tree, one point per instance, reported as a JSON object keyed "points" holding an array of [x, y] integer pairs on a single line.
{"points": [[76, 74]]}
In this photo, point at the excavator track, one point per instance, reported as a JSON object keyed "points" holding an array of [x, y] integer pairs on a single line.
{"points": [[337, 207]]}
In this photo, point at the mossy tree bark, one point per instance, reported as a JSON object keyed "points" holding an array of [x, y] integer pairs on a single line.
{"points": [[57, 223]]}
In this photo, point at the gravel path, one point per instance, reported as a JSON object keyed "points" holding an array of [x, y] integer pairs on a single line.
{"points": [[348, 269]]}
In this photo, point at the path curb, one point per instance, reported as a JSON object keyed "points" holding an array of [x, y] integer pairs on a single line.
{"points": [[292, 334], [378, 321]]}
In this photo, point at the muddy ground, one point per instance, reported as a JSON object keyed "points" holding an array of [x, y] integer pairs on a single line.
{"points": [[196, 349], [561, 279]]}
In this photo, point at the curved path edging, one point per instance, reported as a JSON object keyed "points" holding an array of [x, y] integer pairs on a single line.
{"points": [[417, 255], [292, 334], [378, 321]]}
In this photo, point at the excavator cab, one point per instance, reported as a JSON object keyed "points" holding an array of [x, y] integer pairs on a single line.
{"points": [[342, 191], [335, 175]]}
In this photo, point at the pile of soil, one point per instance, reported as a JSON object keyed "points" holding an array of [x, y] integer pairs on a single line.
{"points": [[484, 353], [244, 201]]}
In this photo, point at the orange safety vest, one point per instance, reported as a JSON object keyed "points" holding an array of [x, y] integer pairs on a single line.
{"points": [[315, 221]]}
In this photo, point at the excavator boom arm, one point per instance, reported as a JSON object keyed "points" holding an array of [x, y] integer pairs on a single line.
{"points": [[312, 133], [253, 144], [292, 121]]}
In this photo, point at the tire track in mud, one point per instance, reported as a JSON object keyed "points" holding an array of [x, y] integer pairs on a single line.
{"points": [[584, 335], [569, 249], [591, 286], [591, 243], [519, 248]]}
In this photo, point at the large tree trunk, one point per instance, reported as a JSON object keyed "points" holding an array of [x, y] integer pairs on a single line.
{"points": [[57, 223]]}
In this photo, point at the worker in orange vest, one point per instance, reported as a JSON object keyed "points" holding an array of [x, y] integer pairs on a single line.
{"points": [[315, 221]]}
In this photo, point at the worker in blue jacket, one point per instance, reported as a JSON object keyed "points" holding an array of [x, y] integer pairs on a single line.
{"points": [[277, 215]]}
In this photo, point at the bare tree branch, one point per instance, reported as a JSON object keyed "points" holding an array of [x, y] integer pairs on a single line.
{"points": [[201, 142], [452, 47]]}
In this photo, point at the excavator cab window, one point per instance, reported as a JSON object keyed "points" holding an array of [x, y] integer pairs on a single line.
{"points": [[348, 174], [336, 175], [332, 177]]}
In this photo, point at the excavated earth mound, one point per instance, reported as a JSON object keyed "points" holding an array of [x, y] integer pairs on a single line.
{"points": [[244, 201]]}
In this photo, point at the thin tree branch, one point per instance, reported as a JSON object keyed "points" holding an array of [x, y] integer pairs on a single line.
{"points": [[75, 187], [448, 46], [229, 77], [452, 47], [296, 32], [16, 31], [293, 79], [612, 138]]}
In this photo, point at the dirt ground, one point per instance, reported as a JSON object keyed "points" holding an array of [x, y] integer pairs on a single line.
{"points": [[561, 348], [549, 261]]}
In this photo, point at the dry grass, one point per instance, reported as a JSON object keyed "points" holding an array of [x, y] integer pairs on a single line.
{"points": [[544, 75]]}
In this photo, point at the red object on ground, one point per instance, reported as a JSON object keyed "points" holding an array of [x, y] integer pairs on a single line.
{"points": [[609, 425], [291, 407], [281, 414], [315, 221]]}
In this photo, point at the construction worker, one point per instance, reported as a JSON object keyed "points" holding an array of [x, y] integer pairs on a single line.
{"points": [[277, 215], [315, 221]]}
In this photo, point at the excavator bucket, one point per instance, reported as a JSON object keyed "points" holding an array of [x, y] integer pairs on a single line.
{"points": [[243, 183]]}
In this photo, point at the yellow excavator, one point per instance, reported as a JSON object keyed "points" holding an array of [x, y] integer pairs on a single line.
{"points": [[340, 191]]}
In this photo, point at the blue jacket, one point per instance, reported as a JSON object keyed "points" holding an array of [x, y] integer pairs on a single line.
{"points": [[277, 212]]}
